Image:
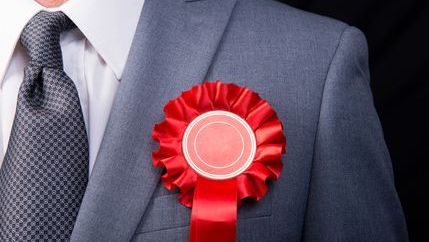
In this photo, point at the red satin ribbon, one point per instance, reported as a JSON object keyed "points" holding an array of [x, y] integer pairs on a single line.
{"points": [[214, 211], [214, 202]]}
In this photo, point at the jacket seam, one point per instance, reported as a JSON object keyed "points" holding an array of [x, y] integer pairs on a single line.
{"points": [[340, 40]]}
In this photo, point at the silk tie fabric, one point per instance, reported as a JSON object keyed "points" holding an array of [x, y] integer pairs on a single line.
{"points": [[45, 169]]}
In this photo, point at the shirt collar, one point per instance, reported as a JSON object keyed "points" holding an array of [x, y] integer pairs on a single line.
{"points": [[109, 25]]}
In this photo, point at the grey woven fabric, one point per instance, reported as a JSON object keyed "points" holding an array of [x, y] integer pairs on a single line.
{"points": [[45, 169]]}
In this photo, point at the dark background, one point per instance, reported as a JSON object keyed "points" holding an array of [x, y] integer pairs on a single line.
{"points": [[398, 37]]}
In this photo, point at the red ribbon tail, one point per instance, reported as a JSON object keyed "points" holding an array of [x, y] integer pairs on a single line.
{"points": [[214, 211]]}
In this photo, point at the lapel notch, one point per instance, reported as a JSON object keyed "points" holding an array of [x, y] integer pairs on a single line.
{"points": [[172, 50]]}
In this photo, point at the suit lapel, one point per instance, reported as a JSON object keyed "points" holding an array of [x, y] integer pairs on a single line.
{"points": [[172, 50]]}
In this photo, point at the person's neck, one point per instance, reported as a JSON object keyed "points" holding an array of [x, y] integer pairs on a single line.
{"points": [[51, 3]]}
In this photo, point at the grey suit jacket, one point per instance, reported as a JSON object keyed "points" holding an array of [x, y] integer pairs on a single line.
{"points": [[337, 182]]}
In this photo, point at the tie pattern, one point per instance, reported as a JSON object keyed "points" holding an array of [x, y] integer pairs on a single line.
{"points": [[45, 169]]}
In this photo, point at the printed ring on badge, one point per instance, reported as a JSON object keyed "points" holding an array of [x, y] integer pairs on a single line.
{"points": [[219, 145]]}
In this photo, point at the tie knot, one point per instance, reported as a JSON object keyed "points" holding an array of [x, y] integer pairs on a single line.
{"points": [[41, 38]]}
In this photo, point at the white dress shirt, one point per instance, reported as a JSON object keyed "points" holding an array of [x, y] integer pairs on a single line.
{"points": [[94, 56]]}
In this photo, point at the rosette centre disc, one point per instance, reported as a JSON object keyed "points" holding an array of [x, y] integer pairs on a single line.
{"points": [[219, 145]]}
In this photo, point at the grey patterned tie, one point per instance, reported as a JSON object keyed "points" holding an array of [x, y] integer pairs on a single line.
{"points": [[45, 169]]}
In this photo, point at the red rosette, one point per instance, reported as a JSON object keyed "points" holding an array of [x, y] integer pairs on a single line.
{"points": [[250, 112]]}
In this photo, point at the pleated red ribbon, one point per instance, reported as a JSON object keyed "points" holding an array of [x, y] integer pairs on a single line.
{"points": [[215, 202]]}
